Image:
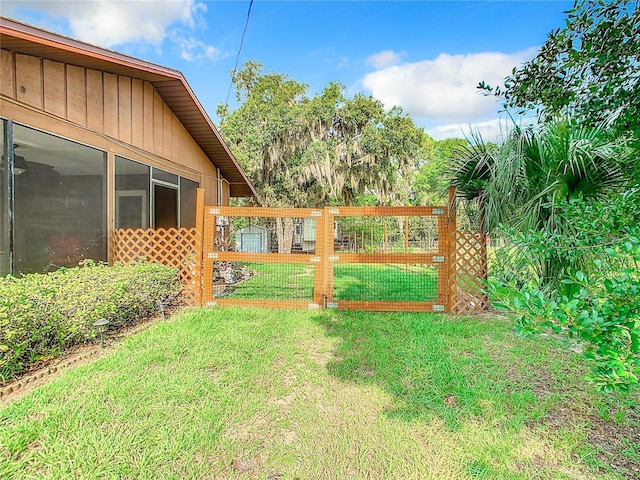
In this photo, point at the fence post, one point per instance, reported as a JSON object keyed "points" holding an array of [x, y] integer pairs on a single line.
{"points": [[328, 253], [199, 275], [452, 254]]}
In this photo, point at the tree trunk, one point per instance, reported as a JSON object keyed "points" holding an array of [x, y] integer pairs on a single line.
{"points": [[284, 233]]}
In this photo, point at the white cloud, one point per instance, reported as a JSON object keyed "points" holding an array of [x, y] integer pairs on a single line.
{"points": [[114, 22], [494, 130], [444, 89], [193, 49], [385, 59], [491, 130]]}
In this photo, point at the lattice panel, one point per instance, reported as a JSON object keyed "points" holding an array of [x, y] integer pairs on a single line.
{"points": [[470, 270], [179, 248]]}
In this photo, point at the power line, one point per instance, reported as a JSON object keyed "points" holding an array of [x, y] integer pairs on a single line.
{"points": [[235, 67]]}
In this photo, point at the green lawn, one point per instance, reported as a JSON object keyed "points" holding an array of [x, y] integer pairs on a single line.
{"points": [[276, 281], [382, 282], [265, 394], [370, 282]]}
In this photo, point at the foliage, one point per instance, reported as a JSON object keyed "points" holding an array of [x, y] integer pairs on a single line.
{"points": [[601, 306], [43, 314], [588, 70], [603, 313], [431, 182], [576, 262], [303, 151], [527, 180]]}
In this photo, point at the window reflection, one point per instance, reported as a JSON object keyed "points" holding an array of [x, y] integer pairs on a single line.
{"points": [[132, 194], [60, 202]]}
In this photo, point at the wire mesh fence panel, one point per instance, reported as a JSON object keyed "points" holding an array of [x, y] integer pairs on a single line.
{"points": [[266, 234], [270, 281], [388, 258], [367, 258], [386, 282], [391, 234], [261, 256]]}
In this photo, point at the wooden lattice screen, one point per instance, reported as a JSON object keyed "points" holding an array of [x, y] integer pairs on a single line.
{"points": [[469, 272], [180, 248]]}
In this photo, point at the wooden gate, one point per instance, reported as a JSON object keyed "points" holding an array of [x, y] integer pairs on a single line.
{"points": [[360, 258]]}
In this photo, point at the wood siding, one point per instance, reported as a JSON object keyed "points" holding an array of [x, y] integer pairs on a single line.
{"points": [[128, 110]]}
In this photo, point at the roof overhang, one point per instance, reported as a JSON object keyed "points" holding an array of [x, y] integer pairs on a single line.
{"points": [[169, 83]]}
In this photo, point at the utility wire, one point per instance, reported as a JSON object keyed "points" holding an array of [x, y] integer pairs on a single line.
{"points": [[235, 67]]}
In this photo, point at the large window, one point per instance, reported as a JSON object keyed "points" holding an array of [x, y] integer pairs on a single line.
{"points": [[59, 202], [132, 194], [149, 197], [188, 190]]}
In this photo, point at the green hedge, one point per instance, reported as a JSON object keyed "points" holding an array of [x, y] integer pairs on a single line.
{"points": [[41, 315]]}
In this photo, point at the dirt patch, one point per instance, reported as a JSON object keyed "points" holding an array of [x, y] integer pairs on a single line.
{"points": [[616, 443]]}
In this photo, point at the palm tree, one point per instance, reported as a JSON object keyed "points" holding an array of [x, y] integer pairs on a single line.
{"points": [[523, 182]]}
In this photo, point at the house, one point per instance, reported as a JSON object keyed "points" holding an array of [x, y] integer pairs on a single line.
{"points": [[254, 238], [92, 141]]}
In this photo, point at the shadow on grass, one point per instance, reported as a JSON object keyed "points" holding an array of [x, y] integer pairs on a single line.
{"points": [[434, 365]]}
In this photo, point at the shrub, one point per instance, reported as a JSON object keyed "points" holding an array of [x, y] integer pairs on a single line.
{"points": [[599, 306], [41, 315]]}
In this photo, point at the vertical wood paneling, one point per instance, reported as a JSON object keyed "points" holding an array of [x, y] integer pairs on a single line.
{"points": [[8, 72], [76, 95], [110, 82], [124, 108], [158, 115], [209, 184], [181, 141], [225, 193], [176, 141], [55, 94], [148, 116], [167, 137], [29, 80], [95, 100], [137, 113]]}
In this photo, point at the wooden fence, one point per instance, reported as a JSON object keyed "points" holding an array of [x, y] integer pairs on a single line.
{"points": [[455, 262]]}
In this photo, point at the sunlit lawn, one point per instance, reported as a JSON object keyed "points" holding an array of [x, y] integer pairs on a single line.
{"points": [[367, 282], [266, 394]]}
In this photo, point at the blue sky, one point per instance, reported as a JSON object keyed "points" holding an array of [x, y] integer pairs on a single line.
{"points": [[425, 56]]}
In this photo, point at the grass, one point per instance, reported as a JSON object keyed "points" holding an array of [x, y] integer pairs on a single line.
{"points": [[252, 393], [352, 281], [276, 281], [385, 282]]}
